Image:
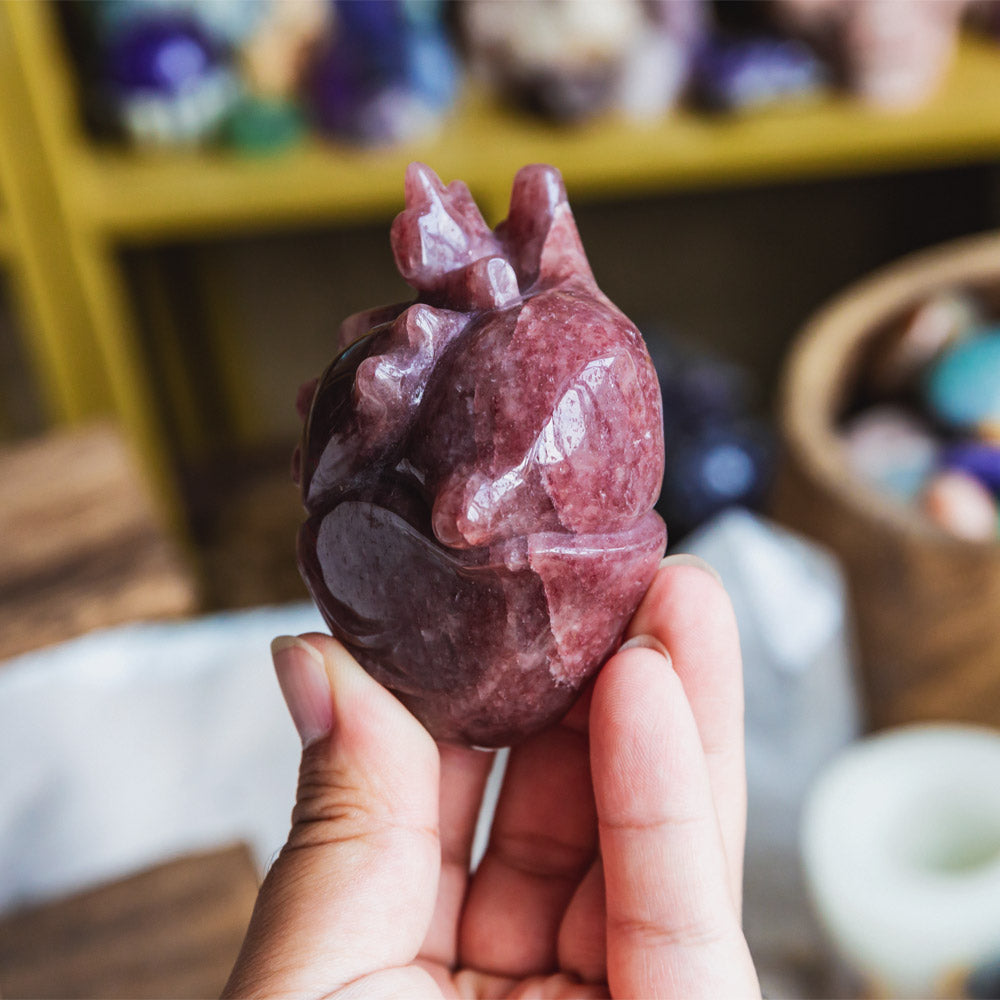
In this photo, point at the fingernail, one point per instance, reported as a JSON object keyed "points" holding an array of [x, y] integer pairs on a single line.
{"points": [[304, 683], [686, 559], [646, 642]]}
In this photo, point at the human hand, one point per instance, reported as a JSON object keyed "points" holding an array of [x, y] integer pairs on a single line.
{"points": [[614, 865]]}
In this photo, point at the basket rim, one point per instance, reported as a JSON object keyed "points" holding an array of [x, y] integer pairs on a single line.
{"points": [[808, 395]]}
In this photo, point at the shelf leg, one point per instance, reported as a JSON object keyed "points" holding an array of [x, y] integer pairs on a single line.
{"points": [[134, 395], [51, 317]]}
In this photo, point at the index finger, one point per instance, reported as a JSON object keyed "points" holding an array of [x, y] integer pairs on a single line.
{"points": [[687, 609], [672, 924]]}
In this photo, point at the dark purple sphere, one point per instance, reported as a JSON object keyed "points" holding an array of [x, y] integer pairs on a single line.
{"points": [[160, 55]]}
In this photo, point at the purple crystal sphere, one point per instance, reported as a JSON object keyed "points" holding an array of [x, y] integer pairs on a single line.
{"points": [[977, 458], [160, 55], [753, 72], [479, 468]]}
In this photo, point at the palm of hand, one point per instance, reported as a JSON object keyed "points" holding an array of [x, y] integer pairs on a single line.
{"points": [[615, 857], [535, 904]]}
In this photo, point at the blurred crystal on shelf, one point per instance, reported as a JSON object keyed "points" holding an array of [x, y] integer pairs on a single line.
{"points": [[896, 55], [658, 69], [272, 59], [271, 55], [892, 55], [744, 73], [251, 72], [166, 74], [166, 78], [388, 72], [571, 59], [802, 708]]}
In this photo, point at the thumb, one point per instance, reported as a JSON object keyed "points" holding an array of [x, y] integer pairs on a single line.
{"points": [[352, 891]]}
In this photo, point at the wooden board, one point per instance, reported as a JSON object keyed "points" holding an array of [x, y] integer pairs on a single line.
{"points": [[84, 545], [170, 931]]}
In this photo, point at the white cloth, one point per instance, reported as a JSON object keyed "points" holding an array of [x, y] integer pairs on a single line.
{"points": [[128, 746]]}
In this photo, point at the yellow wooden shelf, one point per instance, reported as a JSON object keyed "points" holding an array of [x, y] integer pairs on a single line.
{"points": [[149, 196], [77, 202], [6, 240]]}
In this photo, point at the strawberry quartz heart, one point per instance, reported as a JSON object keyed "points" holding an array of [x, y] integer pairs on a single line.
{"points": [[479, 468]]}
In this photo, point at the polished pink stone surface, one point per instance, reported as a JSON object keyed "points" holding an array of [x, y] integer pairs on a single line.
{"points": [[479, 468]]}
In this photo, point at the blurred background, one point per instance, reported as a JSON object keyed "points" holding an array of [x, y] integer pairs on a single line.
{"points": [[195, 193]]}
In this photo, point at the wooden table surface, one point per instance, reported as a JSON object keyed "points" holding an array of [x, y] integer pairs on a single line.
{"points": [[170, 931], [83, 546], [83, 543]]}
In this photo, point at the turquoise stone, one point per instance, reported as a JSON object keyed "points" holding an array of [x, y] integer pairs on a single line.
{"points": [[261, 125], [963, 388]]}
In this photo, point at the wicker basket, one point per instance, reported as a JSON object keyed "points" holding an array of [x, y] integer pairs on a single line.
{"points": [[926, 605]]}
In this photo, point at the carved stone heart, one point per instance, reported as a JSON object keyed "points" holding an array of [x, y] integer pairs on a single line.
{"points": [[479, 468]]}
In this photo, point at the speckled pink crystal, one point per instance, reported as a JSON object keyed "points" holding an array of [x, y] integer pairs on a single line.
{"points": [[479, 468]]}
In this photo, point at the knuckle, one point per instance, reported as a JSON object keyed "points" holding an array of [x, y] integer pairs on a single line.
{"points": [[652, 824], [536, 853], [334, 807], [330, 804], [659, 934]]}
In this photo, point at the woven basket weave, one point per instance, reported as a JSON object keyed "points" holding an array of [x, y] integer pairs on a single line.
{"points": [[926, 605]]}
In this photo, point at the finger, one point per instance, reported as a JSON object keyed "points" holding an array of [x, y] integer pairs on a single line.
{"points": [[463, 778], [672, 925], [582, 934], [543, 839], [689, 612], [353, 889]]}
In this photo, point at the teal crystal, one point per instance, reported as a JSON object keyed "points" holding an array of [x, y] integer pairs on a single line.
{"points": [[963, 388]]}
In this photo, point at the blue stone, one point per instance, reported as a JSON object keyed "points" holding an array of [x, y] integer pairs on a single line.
{"points": [[963, 388], [718, 467], [167, 82], [431, 67], [717, 454], [388, 72], [164, 56], [978, 458], [736, 74], [377, 27], [697, 389]]}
